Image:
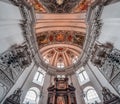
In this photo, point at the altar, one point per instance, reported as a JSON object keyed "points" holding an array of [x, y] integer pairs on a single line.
{"points": [[61, 92]]}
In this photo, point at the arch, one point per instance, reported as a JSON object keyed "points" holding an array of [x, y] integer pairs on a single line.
{"points": [[60, 55], [32, 96], [91, 95]]}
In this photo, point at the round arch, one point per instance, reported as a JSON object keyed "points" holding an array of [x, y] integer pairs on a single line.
{"points": [[91, 95], [32, 96]]}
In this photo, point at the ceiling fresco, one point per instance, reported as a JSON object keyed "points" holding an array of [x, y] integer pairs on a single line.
{"points": [[64, 37], [39, 8], [83, 6], [60, 6]]}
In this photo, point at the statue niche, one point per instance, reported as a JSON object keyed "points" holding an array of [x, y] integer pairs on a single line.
{"points": [[61, 92]]}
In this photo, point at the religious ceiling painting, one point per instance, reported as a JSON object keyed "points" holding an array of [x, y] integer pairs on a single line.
{"points": [[37, 6], [83, 6], [59, 6], [78, 39], [43, 39], [60, 37], [65, 37]]}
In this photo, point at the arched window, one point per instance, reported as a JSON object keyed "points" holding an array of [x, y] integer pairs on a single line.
{"points": [[32, 96], [91, 95]]}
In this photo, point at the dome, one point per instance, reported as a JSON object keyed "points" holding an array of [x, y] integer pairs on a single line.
{"points": [[60, 49]]}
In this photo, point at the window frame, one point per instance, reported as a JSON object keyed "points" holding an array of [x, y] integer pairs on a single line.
{"points": [[28, 98], [37, 77], [91, 94], [37, 93], [92, 99], [85, 77], [81, 75]]}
